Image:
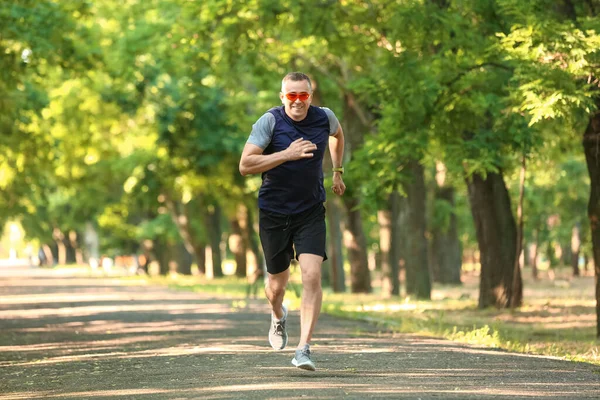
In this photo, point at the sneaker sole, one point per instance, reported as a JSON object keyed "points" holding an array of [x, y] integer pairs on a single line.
{"points": [[279, 348], [305, 366]]}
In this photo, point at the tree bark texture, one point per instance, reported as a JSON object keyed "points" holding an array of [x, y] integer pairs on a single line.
{"points": [[396, 242], [575, 246], [418, 277], [180, 214], [384, 219], [388, 244], [237, 246], [212, 219], [517, 283], [254, 247], [356, 125], [356, 243], [335, 255], [446, 254], [591, 145], [183, 258], [497, 238]]}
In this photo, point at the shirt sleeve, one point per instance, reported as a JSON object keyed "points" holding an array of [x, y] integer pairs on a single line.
{"points": [[262, 131], [334, 124]]}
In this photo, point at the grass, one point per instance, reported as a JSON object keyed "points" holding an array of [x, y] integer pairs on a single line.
{"points": [[557, 319]]}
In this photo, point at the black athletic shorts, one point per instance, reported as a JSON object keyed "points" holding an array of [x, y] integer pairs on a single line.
{"points": [[280, 234]]}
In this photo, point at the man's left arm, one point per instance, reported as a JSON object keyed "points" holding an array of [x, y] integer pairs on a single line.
{"points": [[336, 149]]}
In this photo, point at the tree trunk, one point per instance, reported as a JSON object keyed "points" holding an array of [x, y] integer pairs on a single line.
{"points": [[591, 145], [390, 253], [183, 258], [237, 245], [356, 243], [69, 251], [254, 248], [181, 217], [575, 246], [48, 255], [384, 219], [396, 242], [517, 283], [77, 255], [446, 254], [213, 227], [497, 238], [201, 258], [356, 124], [59, 239], [336, 257], [534, 255], [418, 277], [162, 252]]}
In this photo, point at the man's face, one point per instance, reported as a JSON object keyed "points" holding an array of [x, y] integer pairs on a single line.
{"points": [[296, 109]]}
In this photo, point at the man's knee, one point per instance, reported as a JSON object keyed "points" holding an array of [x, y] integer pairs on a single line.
{"points": [[277, 283], [311, 276]]}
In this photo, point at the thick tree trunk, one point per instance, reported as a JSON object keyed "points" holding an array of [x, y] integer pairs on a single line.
{"points": [[418, 276], [497, 238], [69, 251], [356, 125], [517, 283], [163, 257], [396, 242], [446, 254], [336, 257], [591, 145], [183, 258], [390, 253], [49, 257], [356, 243]]}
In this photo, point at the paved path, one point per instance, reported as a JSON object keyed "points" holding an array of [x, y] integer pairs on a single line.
{"points": [[100, 338]]}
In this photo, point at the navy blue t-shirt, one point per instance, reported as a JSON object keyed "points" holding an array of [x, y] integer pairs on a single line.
{"points": [[295, 186]]}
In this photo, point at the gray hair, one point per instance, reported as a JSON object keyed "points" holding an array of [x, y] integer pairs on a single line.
{"points": [[296, 77]]}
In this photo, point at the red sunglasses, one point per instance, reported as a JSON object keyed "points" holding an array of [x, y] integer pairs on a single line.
{"points": [[293, 96]]}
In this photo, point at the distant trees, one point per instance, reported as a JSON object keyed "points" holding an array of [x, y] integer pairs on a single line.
{"points": [[129, 118]]}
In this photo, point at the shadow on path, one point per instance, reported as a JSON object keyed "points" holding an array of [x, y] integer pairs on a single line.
{"points": [[101, 338]]}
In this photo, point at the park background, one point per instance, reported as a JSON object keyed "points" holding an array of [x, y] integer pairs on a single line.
{"points": [[472, 152]]}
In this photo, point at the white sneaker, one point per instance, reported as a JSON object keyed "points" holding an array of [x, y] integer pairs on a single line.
{"points": [[277, 334]]}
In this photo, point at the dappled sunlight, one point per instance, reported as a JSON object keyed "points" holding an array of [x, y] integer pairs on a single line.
{"points": [[278, 386], [81, 311], [174, 351], [509, 393], [74, 346], [83, 295], [86, 394]]}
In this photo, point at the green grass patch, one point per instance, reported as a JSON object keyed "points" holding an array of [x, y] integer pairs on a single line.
{"points": [[559, 326]]}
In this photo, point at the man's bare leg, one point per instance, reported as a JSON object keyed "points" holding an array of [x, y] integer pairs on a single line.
{"points": [[312, 296], [275, 290]]}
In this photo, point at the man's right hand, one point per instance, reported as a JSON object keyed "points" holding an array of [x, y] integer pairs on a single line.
{"points": [[300, 148]]}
